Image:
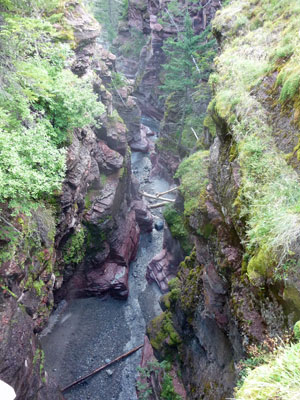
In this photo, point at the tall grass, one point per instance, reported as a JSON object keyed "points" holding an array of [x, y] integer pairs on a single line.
{"points": [[276, 380]]}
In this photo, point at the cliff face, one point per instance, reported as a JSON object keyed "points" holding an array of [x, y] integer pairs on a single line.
{"points": [[81, 242], [240, 288], [152, 19]]}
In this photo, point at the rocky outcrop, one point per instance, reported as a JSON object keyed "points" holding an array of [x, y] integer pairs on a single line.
{"points": [[164, 266]]}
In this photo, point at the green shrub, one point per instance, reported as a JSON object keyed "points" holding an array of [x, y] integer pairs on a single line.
{"points": [[41, 102], [158, 370], [74, 249]]}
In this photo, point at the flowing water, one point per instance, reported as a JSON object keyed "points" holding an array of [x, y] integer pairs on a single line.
{"points": [[87, 333]]}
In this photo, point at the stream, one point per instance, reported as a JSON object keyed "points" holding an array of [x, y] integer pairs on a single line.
{"points": [[84, 334]]}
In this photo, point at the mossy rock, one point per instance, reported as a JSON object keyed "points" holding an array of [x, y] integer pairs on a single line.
{"points": [[291, 294], [163, 336], [260, 266]]}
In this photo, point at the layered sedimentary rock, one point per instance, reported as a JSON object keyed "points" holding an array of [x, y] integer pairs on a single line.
{"points": [[95, 215]]}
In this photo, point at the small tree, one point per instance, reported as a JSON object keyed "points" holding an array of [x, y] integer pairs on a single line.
{"points": [[189, 59]]}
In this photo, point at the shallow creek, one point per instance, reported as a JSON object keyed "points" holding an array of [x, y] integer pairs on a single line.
{"points": [[84, 334]]}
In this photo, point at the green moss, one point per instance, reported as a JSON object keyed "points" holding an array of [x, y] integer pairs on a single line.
{"points": [[260, 266], [38, 286], [162, 332], [175, 222], [291, 294], [210, 124], [95, 237], [74, 249], [193, 180], [233, 152], [191, 286], [205, 230]]}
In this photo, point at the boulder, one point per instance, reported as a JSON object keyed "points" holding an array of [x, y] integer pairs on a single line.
{"points": [[143, 216], [111, 278]]}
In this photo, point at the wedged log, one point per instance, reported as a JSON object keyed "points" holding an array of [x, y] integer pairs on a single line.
{"points": [[151, 196], [159, 205]]}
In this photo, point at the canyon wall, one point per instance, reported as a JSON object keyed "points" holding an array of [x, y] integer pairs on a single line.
{"points": [[238, 291], [80, 243]]}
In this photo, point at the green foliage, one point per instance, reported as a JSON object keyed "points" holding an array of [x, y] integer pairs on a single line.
{"points": [[168, 391], [74, 249], [175, 222], [161, 330], [118, 80], [38, 286], [30, 166], [290, 81], [269, 195], [133, 46], [41, 102], [277, 379], [297, 330], [193, 180], [159, 370], [179, 70], [125, 7], [248, 365], [108, 13]]}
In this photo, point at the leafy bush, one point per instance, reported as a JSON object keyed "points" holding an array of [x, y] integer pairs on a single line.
{"points": [[30, 165], [160, 371], [74, 249], [41, 103]]}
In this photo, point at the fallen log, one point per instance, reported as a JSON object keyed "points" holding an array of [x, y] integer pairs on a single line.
{"points": [[101, 368], [167, 191], [158, 205], [151, 196]]}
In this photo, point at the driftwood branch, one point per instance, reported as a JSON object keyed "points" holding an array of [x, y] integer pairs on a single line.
{"points": [[194, 132], [159, 205], [167, 191], [151, 196], [101, 368]]}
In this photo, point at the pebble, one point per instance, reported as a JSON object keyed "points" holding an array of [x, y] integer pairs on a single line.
{"points": [[107, 360], [109, 372]]}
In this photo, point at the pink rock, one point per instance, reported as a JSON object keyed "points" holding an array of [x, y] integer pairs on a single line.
{"points": [[143, 216], [164, 266], [111, 277], [109, 160], [124, 244], [147, 354]]}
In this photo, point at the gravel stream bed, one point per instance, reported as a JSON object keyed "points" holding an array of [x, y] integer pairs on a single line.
{"points": [[87, 333]]}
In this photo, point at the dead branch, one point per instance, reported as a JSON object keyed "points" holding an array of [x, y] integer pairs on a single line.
{"points": [[101, 368], [167, 191], [159, 205], [151, 196]]}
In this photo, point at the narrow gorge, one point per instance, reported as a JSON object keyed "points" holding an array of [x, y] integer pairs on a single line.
{"points": [[149, 199]]}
